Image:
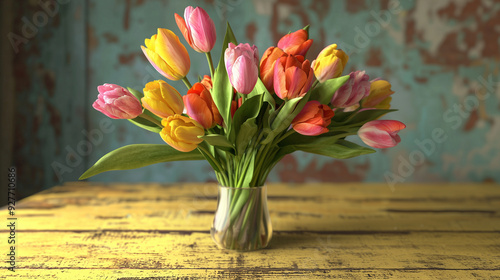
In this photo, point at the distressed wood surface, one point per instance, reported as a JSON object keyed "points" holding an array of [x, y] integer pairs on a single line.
{"points": [[342, 231]]}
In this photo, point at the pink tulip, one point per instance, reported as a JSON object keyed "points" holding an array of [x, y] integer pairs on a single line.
{"points": [[355, 89], [198, 29], [313, 119], [381, 133], [117, 102], [293, 76], [242, 65]]}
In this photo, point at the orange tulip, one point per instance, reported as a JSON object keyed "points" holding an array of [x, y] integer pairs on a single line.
{"points": [[207, 82], [293, 76], [295, 43], [267, 66], [313, 119], [201, 107]]}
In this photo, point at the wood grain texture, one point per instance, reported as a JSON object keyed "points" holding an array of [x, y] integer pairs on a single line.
{"points": [[343, 231]]}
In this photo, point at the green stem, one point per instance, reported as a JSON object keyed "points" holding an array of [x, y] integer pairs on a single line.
{"points": [[151, 119], [187, 83], [207, 152], [314, 84], [288, 133], [210, 64]]}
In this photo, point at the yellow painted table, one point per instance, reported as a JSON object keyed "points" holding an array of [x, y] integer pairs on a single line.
{"points": [[346, 231]]}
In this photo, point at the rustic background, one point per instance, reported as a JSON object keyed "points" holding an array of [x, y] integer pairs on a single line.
{"points": [[440, 56]]}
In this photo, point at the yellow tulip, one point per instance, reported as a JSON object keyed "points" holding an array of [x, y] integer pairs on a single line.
{"points": [[330, 63], [379, 96], [181, 133], [162, 99], [167, 55]]}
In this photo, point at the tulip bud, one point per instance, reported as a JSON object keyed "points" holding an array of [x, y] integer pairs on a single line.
{"points": [[293, 76], [381, 133], [267, 66], [167, 55], [207, 82], [198, 29], [313, 119], [379, 97], [181, 133], [330, 63], [162, 99], [117, 103], [242, 65], [295, 43], [355, 89], [201, 107]]}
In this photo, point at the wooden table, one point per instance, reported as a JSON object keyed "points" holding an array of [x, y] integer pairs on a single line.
{"points": [[347, 231]]}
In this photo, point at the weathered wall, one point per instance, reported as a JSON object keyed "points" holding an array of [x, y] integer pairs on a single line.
{"points": [[437, 54]]}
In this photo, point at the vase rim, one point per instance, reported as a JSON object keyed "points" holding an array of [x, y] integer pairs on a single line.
{"points": [[245, 188]]}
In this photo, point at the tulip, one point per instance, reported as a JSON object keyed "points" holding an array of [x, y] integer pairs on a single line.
{"points": [[381, 133], [207, 82], [295, 43], [330, 63], [181, 133], [201, 107], [267, 66], [313, 119], [117, 103], [242, 65], [162, 99], [355, 89], [198, 29], [379, 96], [167, 55], [293, 76]]}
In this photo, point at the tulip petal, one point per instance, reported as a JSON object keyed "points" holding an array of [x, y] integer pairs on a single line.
{"points": [[198, 110], [170, 49], [244, 74], [159, 64], [295, 81], [202, 30], [183, 28]]}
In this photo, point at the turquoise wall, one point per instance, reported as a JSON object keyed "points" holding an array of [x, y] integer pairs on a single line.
{"points": [[440, 56]]}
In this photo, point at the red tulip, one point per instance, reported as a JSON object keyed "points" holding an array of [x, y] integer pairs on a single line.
{"points": [[293, 76], [267, 66], [201, 107], [295, 43], [313, 119], [381, 133]]}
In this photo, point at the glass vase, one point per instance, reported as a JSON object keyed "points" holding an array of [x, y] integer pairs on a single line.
{"points": [[242, 220]]}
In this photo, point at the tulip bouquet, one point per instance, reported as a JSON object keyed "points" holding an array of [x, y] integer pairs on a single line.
{"points": [[248, 113]]}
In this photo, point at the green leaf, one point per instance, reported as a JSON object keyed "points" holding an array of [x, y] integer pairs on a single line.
{"points": [[247, 130], [138, 155], [260, 89], [217, 140], [136, 93], [249, 110], [325, 91], [340, 149], [143, 123], [222, 91], [366, 116], [287, 113]]}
